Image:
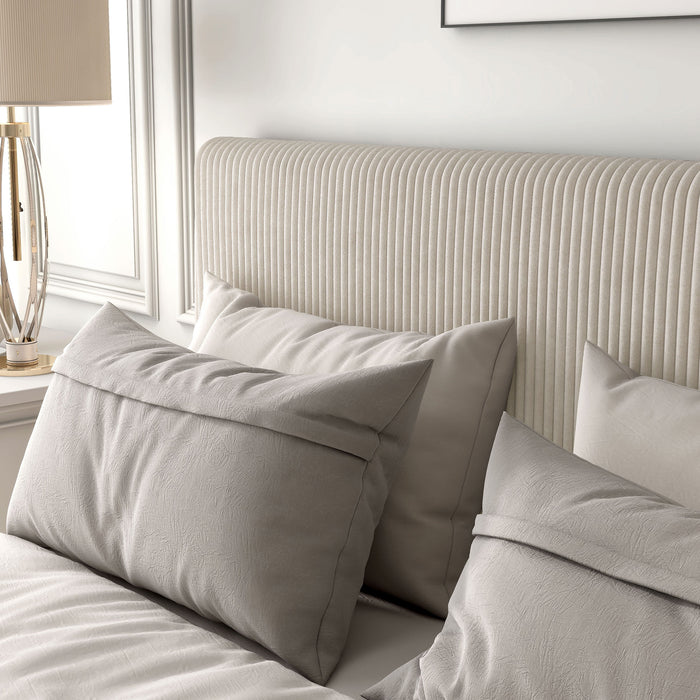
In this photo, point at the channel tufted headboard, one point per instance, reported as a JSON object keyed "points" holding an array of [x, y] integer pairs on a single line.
{"points": [[576, 248]]}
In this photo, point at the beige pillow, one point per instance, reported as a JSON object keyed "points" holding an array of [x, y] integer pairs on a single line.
{"points": [[247, 495], [644, 429], [217, 297], [424, 536]]}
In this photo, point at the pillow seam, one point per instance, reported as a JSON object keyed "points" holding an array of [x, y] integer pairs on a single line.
{"points": [[229, 420], [406, 398], [496, 362], [337, 564], [588, 542]]}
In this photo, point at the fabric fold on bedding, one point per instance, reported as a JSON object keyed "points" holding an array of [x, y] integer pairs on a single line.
{"points": [[152, 370], [589, 516], [606, 560]]}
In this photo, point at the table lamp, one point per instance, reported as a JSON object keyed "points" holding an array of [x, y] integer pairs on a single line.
{"points": [[52, 52]]}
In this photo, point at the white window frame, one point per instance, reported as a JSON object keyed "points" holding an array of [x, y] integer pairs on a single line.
{"points": [[137, 293]]}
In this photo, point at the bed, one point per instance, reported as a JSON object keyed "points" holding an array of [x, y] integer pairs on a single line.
{"points": [[409, 275]]}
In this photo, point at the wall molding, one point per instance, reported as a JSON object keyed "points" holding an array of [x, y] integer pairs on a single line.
{"points": [[97, 288], [143, 157], [185, 117], [137, 293]]}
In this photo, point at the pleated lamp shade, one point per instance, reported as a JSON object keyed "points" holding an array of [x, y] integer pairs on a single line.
{"points": [[54, 52]]}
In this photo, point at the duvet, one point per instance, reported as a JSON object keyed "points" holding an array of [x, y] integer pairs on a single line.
{"points": [[67, 632]]}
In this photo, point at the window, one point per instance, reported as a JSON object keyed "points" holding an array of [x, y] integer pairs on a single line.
{"points": [[97, 167]]}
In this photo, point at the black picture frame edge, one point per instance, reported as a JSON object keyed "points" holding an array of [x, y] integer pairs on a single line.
{"points": [[443, 25]]}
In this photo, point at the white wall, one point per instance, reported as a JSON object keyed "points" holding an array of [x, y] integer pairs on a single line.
{"points": [[384, 71]]}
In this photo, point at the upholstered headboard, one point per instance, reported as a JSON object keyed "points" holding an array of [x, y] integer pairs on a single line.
{"points": [[576, 248]]}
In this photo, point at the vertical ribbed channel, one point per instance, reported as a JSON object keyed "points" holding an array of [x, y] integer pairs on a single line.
{"points": [[573, 247]]}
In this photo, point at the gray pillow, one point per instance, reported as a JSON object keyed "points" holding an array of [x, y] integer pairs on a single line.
{"points": [[644, 429], [580, 584], [244, 494], [424, 535]]}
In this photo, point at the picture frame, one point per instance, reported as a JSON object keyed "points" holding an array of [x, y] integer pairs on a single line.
{"points": [[468, 13]]}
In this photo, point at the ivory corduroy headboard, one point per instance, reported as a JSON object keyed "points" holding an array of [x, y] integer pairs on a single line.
{"points": [[576, 248]]}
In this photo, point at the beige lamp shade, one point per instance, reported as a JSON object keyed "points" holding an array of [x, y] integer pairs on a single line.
{"points": [[54, 52]]}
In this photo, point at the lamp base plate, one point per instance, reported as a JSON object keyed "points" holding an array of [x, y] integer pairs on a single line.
{"points": [[44, 366]]}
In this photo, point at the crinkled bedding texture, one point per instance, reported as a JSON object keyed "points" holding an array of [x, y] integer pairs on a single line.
{"points": [[66, 632], [579, 585], [246, 495]]}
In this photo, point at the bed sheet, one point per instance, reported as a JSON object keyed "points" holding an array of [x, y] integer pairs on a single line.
{"points": [[382, 637]]}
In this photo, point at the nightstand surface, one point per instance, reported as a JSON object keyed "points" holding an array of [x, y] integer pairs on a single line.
{"points": [[21, 390]]}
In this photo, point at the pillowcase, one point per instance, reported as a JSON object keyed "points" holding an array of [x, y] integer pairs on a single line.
{"points": [[217, 296], [424, 535], [244, 494], [579, 584], [644, 429]]}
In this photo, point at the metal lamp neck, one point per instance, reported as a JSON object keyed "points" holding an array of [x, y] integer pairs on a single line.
{"points": [[13, 128]]}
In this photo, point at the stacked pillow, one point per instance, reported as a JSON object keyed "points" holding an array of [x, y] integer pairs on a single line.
{"points": [[423, 538], [247, 495]]}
